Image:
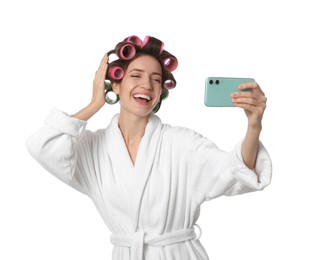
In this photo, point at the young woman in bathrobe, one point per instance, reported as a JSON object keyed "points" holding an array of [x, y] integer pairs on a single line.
{"points": [[148, 179]]}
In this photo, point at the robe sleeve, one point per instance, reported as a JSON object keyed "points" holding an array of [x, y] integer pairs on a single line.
{"points": [[58, 147], [217, 172]]}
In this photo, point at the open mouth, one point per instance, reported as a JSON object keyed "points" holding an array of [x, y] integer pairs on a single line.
{"points": [[143, 99]]}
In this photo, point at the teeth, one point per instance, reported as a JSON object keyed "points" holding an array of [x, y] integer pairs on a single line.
{"points": [[142, 96]]}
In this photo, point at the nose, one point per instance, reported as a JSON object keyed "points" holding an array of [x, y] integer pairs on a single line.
{"points": [[147, 84]]}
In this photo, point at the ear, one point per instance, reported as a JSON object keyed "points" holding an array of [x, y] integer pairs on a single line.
{"points": [[116, 87]]}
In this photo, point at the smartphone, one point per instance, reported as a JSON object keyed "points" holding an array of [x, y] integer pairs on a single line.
{"points": [[218, 90]]}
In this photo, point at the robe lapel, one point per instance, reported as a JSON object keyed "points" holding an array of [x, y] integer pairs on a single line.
{"points": [[143, 166], [122, 164], [135, 176]]}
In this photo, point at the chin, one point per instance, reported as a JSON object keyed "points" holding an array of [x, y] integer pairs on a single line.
{"points": [[138, 112], [143, 113]]}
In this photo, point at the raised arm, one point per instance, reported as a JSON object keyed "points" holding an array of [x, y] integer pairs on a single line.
{"points": [[62, 145], [254, 104]]}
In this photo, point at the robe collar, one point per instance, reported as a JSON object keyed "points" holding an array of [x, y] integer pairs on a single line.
{"points": [[135, 176]]}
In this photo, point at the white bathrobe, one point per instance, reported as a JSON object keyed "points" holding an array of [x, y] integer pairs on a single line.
{"points": [[151, 206]]}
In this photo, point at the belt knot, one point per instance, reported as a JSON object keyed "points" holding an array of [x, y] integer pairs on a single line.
{"points": [[137, 240]]}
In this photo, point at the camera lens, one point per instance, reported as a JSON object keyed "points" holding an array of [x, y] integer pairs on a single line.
{"points": [[211, 81], [217, 82]]}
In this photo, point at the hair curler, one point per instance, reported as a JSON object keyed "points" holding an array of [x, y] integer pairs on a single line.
{"points": [[110, 97], [134, 39], [154, 43], [164, 94], [125, 50], [169, 81], [169, 84], [157, 107], [145, 41], [116, 73], [170, 62]]}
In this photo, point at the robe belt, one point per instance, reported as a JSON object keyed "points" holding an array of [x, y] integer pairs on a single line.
{"points": [[137, 240]]}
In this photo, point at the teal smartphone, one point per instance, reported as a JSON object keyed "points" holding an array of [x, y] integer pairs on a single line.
{"points": [[218, 90]]}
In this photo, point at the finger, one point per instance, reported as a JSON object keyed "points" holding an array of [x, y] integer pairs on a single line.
{"points": [[101, 72], [243, 100], [250, 85], [248, 94], [104, 58], [260, 97], [104, 62], [250, 108], [245, 106], [258, 103], [249, 104]]}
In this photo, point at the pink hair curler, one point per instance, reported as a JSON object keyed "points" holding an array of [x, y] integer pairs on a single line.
{"points": [[169, 84], [161, 48], [135, 40], [147, 39], [170, 63], [125, 51], [116, 73]]}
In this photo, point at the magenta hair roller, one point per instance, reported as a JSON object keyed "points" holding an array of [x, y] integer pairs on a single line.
{"points": [[116, 73], [170, 81], [125, 51], [161, 48], [170, 63], [135, 40], [149, 39], [145, 41], [169, 84]]}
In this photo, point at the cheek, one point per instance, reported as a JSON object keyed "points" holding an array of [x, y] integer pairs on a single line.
{"points": [[158, 94]]}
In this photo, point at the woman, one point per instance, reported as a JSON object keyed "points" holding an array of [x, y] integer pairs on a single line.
{"points": [[148, 179]]}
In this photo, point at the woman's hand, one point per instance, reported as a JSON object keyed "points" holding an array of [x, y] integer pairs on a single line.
{"points": [[98, 98], [253, 103]]}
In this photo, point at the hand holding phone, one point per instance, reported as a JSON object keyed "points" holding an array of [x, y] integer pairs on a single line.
{"points": [[218, 90]]}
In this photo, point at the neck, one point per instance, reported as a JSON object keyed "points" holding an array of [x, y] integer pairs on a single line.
{"points": [[132, 127]]}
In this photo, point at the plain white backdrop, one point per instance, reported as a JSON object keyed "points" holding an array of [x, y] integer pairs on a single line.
{"points": [[49, 53]]}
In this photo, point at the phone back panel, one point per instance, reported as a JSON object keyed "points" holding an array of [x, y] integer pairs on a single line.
{"points": [[218, 90]]}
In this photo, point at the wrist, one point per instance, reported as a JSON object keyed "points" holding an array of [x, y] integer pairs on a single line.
{"points": [[94, 106], [256, 128], [87, 112], [254, 131]]}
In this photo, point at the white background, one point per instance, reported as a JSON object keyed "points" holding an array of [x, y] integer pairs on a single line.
{"points": [[49, 53]]}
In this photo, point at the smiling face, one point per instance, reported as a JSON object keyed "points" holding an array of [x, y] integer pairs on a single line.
{"points": [[140, 89]]}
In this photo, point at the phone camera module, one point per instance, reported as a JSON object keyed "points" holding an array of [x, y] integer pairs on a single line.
{"points": [[211, 81], [217, 82]]}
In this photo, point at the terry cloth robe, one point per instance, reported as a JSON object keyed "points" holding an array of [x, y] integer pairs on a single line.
{"points": [[150, 206]]}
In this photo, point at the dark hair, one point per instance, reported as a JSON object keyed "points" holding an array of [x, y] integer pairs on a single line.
{"points": [[131, 48]]}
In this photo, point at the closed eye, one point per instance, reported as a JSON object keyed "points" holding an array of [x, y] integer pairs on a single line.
{"points": [[157, 80]]}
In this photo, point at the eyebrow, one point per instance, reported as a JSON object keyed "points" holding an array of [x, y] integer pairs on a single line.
{"points": [[140, 70]]}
